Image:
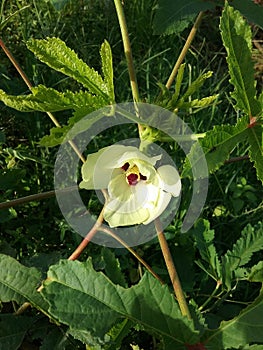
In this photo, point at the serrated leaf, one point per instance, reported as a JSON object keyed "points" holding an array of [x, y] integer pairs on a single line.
{"points": [[255, 138], [236, 35], [251, 241], [239, 331], [12, 330], [92, 342], [256, 273], [86, 299], [252, 11], [112, 267], [117, 333], [55, 53], [50, 100], [178, 84], [195, 86], [174, 16], [204, 237], [218, 144], [19, 283], [107, 69], [202, 103]]}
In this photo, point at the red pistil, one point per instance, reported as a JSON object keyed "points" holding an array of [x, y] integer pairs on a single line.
{"points": [[125, 166], [132, 179]]}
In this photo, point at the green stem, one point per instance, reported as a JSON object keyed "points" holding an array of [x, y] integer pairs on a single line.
{"points": [[211, 296], [127, 49], [172, 270], [184, 50]]}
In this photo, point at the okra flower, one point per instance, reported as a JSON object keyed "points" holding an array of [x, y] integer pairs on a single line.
{"points": [[137, 192]]}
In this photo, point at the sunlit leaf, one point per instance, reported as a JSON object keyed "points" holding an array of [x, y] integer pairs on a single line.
{"points": [[237, 39], [86, 299], [55, 53]]}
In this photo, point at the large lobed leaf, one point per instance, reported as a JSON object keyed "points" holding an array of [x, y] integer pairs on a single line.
{"points": [[174, 16], [19, 283], [244, 329], [251, 10], [55, 53], [87, 300], [236, 35]]}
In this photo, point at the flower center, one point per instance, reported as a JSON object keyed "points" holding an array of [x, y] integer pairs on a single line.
{"points": [[133, 176]]}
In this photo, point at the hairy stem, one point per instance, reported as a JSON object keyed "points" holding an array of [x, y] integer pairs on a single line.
{"points": [[172, 270], [88, 238], [184, 50]]}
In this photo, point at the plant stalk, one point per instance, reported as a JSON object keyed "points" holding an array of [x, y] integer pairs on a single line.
{"points": [[88, 238], [125, 245], [185, 49], [172, 270], [127, 49]]}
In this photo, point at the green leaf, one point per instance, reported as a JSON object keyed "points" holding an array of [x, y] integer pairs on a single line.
{"points": [[75, 290], [256, 273], [239, 331], [13, 330], [236, 35], [58, 56], [251, 241], [218, 144], [252, 11], [195, 86], [178, 84], [204, 237], [255, 138], [118, 332], [50, 100], [94, 343], [19, 283], [112, 267], [107, 69], [202, 103], [174, 16]]}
